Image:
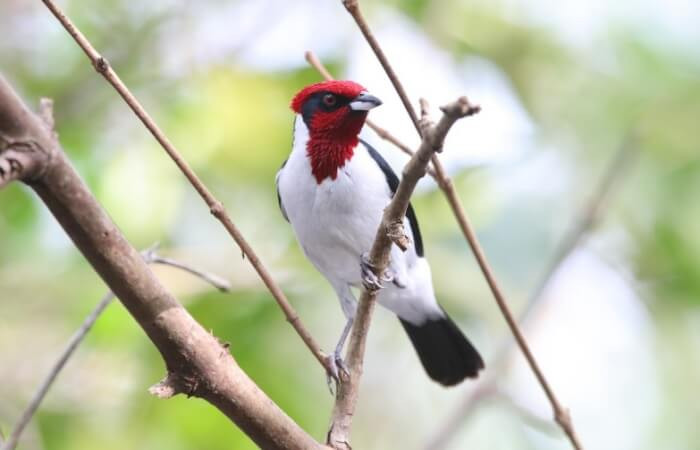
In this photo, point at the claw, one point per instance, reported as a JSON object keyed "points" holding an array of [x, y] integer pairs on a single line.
{"points": [[340, 364], [370, 280], [332, 373], [337, 370]]}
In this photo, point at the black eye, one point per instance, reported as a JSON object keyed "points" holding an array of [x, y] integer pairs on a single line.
{"points": [[329, 100]]}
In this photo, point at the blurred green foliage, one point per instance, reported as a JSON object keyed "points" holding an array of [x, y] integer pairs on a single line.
{"points": [[233, 126]]}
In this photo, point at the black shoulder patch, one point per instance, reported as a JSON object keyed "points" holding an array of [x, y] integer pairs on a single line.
{"points": [[393, 182]]}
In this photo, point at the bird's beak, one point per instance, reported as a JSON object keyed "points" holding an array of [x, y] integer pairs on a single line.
{"points": [[364, 102]]}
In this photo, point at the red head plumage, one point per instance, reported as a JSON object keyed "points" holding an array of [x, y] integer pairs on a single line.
{"points": [[334, 113], [344, 88]]}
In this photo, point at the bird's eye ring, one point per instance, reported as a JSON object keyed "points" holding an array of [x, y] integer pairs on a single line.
{"points": [[329, 99]]}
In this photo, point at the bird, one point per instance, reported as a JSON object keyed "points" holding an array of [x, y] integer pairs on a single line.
{"points": [[333, 189]]}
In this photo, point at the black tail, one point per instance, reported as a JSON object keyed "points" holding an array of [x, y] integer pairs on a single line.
{"points": [[445, 352]]}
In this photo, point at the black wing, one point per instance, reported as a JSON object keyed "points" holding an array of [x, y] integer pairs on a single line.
{"points": [[277, 185], [393, 182]]}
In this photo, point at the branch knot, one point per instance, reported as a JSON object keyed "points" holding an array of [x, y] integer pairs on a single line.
{"points": [[174, 384], [217, 209], [101, 65], [397, 234]]}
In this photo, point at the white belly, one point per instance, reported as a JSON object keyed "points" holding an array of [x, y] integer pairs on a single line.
{"points": [[336, 221]]}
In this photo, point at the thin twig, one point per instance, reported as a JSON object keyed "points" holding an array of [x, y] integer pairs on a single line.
{"points": [[561, 414], [218, 282], [353, 8], [215, 206], [588, 217], [348, 389], [77, 338], [151, 257], [313, 60]]}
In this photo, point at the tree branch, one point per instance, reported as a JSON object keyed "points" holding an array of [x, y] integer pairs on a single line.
{"points": [[433, 137], [151, 257], [353, 7], [561, 414], [77, 338], [215, 280], [215, 206], [588, 218], [197, 364]]}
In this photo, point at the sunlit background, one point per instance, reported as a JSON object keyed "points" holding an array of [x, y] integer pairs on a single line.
{"points": [[563, 87]]}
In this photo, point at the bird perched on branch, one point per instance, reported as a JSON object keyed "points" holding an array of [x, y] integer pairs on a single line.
{"points": [[333, 189]]}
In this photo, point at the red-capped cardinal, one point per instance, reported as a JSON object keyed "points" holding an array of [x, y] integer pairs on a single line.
{"points": [[333, 189]]}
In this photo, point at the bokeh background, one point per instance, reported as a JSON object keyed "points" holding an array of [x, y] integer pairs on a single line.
{"points": [[562, 85]]}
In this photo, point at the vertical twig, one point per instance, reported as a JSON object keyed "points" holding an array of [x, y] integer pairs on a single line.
{"points": [[353, 7], [561, 414], [348, 389], [215, 206]]}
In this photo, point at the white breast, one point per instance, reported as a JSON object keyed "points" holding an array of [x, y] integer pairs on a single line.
{"points": [[335, 221]]}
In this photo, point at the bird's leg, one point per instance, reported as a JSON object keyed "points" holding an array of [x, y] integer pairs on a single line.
{"points": [[337, 367], [370, 280], [335, 361]]}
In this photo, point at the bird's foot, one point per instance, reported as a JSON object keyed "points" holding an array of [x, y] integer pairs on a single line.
{"points": [[337, 370], [370, 280]]}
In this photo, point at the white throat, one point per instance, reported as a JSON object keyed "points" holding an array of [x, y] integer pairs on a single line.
{"points": [[301, 135]]}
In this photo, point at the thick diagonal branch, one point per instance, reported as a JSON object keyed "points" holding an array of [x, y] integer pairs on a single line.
{"points": [[196, 362], [433, 137]]}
